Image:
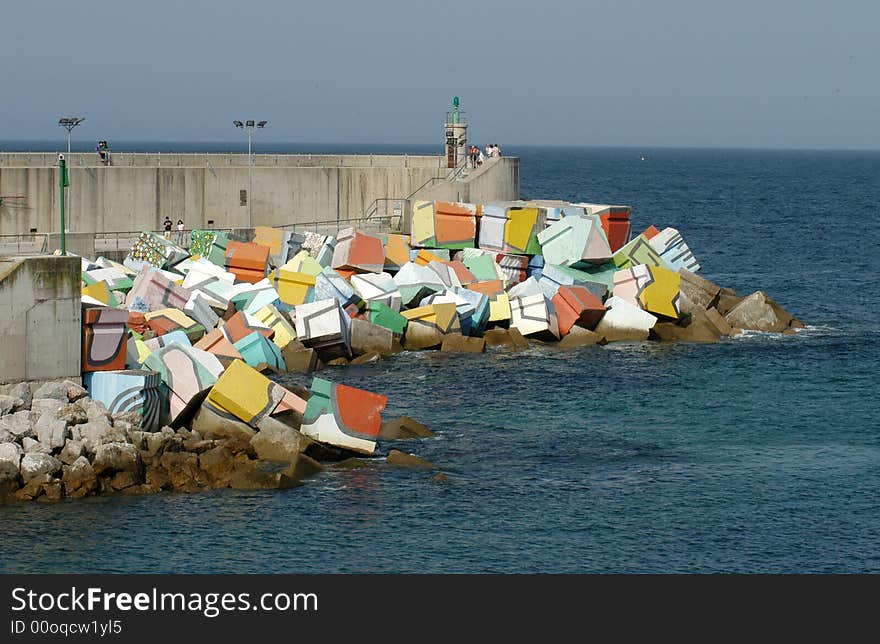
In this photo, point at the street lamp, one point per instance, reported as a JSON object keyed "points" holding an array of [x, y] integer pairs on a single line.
{"points": [[249, 125], [69, 124]]}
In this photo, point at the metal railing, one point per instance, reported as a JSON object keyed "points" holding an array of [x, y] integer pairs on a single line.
{"points": [[25, 243]]}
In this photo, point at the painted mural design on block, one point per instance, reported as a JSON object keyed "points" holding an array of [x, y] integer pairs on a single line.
{"points": [[670, 245], [187, 376], [104, 335], [129, 391], [249, 395], [651, 288], [636, 252], [343, 416], [442, 224]]}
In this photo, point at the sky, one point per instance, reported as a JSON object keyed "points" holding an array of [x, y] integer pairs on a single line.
{"points": [[619, 73]]}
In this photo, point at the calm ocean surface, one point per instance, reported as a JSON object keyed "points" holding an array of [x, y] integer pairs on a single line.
{"points": [[758, 454]]}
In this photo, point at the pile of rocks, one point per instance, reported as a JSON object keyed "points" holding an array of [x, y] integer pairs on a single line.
{"points": [[56, 442]]}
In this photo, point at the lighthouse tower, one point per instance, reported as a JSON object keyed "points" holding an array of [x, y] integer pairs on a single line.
{"points": [[456, 136]]}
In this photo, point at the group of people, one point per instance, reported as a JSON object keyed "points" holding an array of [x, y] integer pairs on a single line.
{"points": [[477, 157], [167, 224]]}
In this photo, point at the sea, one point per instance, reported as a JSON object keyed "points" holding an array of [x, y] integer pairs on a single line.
{"points": [[758, 454]]}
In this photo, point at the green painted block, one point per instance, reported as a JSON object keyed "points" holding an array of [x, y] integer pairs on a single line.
{"points": [[383, 315], [482, 266], [638, 251], [604, 274]]}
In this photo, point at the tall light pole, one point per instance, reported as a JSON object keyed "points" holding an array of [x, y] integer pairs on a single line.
{"points": [[69, 124], [249, 126]]}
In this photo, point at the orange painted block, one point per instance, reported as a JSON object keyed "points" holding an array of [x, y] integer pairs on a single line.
{"points": [[218, 344], [455, 224], [651, 232], [489, 288], [346, 274], [425, 257], [615, 223], [242, 325], [396, 252], [575, 305], [104, 336], [246, 260], [462, 272], [358, 252], [137, 322]]}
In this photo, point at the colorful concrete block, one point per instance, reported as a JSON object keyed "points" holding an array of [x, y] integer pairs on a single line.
{"points": [[150, 249], [186, 377], [323, 325], [479, 317], [378, 287], [384, 316], [294, 287], [282, 244], [636, 252], [651, 288], [129, 391], [198, 307], [499, 308], [489, 288], [217, 343], [492, 226], [272, 318], [521, 231], [357, 251], [424, 257], [553, 276], [249, 395], [153, 291], [320, 247], [483, 267], [104, 335], [513, 267], [575, 305], [428, 324], [246, 260], [243, 324], [396, 252], [116, 279], [417, 282], [624, 321], [256, 350], [166, 320], [251, 297], [100, 292], [574, 241], [615, 222], [331, 285], [343, 416], [670, 245], [534, 315], [446, 273], [530, 286]]}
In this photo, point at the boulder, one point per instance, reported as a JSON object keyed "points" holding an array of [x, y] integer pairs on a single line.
{"points": [[304, 467], [18, 425], [22, 391], [79, 478], [518, 339], [184, 471], [367, 337], [759, 312], [11, 453], [30, 445], [727, 299], [403, 428], [46, 406], [338, 362], [8, 404], [277, 442], [34, 465], [97, 411], [116, 457], [123, 480], [34, 487], [72, 414], [74, 391], [498, 338], [212, 424], [262, 475], [51, 432], [157, 442], [131, 418], [366, 358], [397, 458], [10, 479], [697, 290], [719, 322], [55, 390], [93, 434], [218, 463], [300, 360], [695, 332], [353, 463], [454, 343], [71, 451], [580, 337]]}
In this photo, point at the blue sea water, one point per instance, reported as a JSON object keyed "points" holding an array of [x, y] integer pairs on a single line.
{"points": [[756, 454]]}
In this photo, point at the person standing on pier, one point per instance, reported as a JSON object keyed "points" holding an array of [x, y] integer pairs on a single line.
{"points": [[167, 226], [180, 227]]}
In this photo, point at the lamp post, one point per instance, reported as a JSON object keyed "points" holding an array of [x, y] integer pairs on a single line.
{"points": [[68, 124], [249, 126]]}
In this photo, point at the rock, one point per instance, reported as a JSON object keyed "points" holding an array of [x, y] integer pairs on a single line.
{"points": [[33, 488], [10, 479], [353, 463], [517, 338], [138, 438], [277, 442], [97, 411], [46, 406], [300, 360], [212, 424], [79, 478], [304, 467], [22, 391], [74, 391], [727, 299], [133, 418], [462, 344], [403, 428], [18, 425], [72, 414], [397, 458], [51, 432], [717, 320], [367, 337], [197, 447], [580, 337], [52, 490], [156, 442], [396, 346], [668, 331], [8, 404], [366, 358], [184, 471], [11, 453], [262, 475], [71, 451], [797, 323], [123, 480], [55, 390], [157, 477], [218, 463], [759, 312], [32, 446], [93, 434], [504, 338], [36, 464], [116, 457], [338, 362], [697, 290]]}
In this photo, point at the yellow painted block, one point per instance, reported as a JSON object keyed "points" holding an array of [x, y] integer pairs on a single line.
{"points": [[142, 349], [447, 317], [271, 317], [292, 287], [660, 296], [271, 237], [175, 315], [243, 392], [425, 257], [499, 308], [302, 262], [99, 290], [420, 313], [396, 251], [422, 222], [520, 224]]}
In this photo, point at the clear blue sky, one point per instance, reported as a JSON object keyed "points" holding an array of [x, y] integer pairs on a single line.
{"points": [[666, 73]]}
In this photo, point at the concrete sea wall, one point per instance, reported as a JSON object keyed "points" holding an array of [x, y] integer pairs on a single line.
{"points": [[211, 190]]}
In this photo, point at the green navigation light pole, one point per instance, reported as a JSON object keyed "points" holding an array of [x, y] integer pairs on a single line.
{"points": [[250, 130], [68, 124], [62, 184]]}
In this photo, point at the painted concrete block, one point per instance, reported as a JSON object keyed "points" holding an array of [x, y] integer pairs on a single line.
{"points": [[331, 285], [428, 324], [615, 221], [479, 317], [256, 350], [530, 286], [396, 252], [104, 335], [129, 391], [574, 241], [198, 307], [367, 336], [166, 320], [651, 288], [153, 291], [575, 305], [489, 288], [499, 308], [536, 266], [100, 292], [446, 273], [243, 324], [378, 287], [247, 261], [384, 316], [424, 256], [323, 324], [217, 343], [249, 395], [282, 244], [303, 262], [201, 241], [116, 279], [670, 245], [150, 249], [483, 267], [553, 276], [513, 267], [534, 315], [465, 308], [358, 252], [186, 377], [272, 318], [294, 287], [492, 225], [636, 252], [624, 321], [343, 416], [521, 232], [462, 273], [417, 282]]}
